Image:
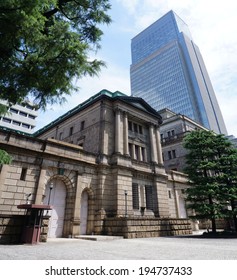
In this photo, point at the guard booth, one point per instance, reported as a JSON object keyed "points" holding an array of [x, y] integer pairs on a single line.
{"points": [[33, 221]]}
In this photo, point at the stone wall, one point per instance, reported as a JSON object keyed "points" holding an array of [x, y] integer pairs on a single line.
{"points": [[11, 228], [146, 227]]}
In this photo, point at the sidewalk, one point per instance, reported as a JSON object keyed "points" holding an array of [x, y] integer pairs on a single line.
{"points": [[109, 248]]}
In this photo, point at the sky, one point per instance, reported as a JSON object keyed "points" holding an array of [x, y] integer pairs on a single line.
{"points": [[213, 25]]}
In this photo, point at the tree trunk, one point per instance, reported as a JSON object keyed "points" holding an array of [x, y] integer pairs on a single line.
{"points": [[234, 215], [213, 225], [213, 220]]}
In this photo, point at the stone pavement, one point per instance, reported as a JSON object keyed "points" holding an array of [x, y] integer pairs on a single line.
{"points": [[109, 248]]}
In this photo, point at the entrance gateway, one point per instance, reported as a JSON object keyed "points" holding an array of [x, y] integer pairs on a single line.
{"points": [[56, 197]]}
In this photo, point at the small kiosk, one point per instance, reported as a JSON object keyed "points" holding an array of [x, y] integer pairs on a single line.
{"points": [[33, 221]]}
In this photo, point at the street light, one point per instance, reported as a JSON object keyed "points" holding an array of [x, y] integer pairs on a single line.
{"points": [[50, 190]]}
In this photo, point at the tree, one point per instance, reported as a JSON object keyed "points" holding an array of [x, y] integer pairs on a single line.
{"points": [[228, 178], [212, 170], [5, 158], [45, 45]]}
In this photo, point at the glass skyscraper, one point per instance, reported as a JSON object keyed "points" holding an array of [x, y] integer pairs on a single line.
{"points": [[168, 71]]}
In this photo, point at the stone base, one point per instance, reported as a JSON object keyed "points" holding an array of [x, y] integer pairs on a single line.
{"points": [[146, 227], [11, 228]]}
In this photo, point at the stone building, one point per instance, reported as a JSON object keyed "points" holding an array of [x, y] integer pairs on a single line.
{"points": [[173, 130], [100, 166]]}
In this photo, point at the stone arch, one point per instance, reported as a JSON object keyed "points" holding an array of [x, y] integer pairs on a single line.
{"points": [[87, 196], [68, 203]]}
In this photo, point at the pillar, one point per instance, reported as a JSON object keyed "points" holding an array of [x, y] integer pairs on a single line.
{"points": [[3, 175], [77, 207], [125, 134], [158, 146], [176, 197], [152, 142], [41, 187], [117, 131], [162, 200]]}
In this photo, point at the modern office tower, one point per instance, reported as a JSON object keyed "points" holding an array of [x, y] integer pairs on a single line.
{"points": [[20, 117], [168, 71]]}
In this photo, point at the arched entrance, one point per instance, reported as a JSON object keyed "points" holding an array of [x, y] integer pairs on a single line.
{"points": [[84, 213], [182, 208], [56, 196]]}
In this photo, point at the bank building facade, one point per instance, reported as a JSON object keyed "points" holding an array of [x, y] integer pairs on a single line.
{"points": [[101, 169]]}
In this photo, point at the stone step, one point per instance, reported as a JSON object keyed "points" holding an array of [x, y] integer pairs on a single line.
{"points": [[98, 237]]}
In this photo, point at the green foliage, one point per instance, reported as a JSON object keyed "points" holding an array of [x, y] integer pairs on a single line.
{"points": [[212, 169], [45, 45], [5, 158]]}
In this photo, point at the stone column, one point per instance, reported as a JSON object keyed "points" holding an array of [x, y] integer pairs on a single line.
{"points": [[152, 142], [133, 152], [145, 155], [158, 146], [176, 197], [117, 131], [3, 175], [125, 134], [41, 187], [77, 207], [139, 153], [161, 198]]}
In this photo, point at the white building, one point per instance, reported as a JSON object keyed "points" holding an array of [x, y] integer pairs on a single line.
{"points": [[20, 117]]}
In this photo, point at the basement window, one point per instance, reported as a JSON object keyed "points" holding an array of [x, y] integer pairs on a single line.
{"points": [[135, 196], [149, 197], [23, 174]]}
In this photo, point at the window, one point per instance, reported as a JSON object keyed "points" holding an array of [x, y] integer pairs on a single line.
{"points": [[130, 147], [60, 135], [149, 197], [135, 196], [25, 125], [29, 107], [16, 123], [12, 110], [31, 117], [169, 155], [23, 114], [173, 153], [135, 127], [140, 129], [71, 131], [23, 174], [170, 196], [82, 125], [6, 120]]}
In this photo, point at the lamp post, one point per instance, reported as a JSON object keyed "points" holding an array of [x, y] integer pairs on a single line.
{"points": [[126, 203], [50, 190]]}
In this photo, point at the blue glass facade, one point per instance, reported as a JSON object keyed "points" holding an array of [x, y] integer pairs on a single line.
{"points": [[168, 72]]}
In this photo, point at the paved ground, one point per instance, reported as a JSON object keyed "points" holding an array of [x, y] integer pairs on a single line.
{"points": [[161, 248]]}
